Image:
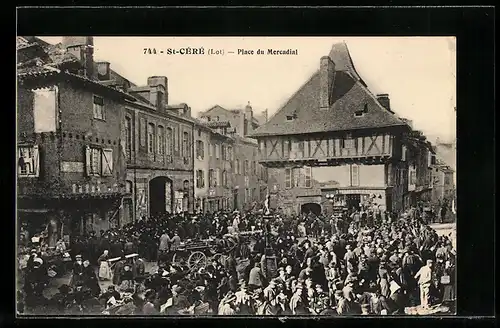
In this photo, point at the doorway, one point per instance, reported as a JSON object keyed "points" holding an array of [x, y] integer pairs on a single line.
{"points": [[160, 196], [313, 208], [352, 201]]}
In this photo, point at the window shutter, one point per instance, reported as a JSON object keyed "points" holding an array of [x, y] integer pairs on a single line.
{"points": [[36, 161], [288, 178], [354, 175], [88, 160], [107, 162]]}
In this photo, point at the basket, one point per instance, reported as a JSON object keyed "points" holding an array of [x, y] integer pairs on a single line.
{"points": [[445, 280]]}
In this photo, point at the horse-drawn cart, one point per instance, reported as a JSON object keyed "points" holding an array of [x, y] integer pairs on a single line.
{"points": [[195, 253]]}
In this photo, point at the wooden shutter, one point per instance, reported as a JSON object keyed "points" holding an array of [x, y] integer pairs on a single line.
{"points": [[107, 162], [36, 161], [354, 175], [307, 176], [88, 160], [288, 178]]}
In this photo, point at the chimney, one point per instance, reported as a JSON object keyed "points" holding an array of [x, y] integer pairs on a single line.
{"points": [[249, 118], [82, 47], [103, 73], [158, 91], [242, 124], [383, 99], [327, 78], [265, 114]]}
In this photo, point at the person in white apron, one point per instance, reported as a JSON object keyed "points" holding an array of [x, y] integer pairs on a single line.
{"points": [[104, 269]]}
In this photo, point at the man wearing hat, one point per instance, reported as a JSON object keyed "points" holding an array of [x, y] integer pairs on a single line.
{"points": [[297, 305], [242, 296], [321, 300], [270, 292], [424, 276]]}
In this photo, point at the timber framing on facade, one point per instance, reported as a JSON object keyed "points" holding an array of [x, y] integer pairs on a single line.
{"points": [[334, 120]]}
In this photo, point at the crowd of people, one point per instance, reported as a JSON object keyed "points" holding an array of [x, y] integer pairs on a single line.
{"points": [[358, 263]]}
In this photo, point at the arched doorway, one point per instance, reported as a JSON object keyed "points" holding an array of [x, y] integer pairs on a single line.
{"points": [[160, 196], [311, 208]]}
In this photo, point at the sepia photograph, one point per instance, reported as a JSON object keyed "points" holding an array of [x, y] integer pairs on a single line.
{"points": [[236, 176]]}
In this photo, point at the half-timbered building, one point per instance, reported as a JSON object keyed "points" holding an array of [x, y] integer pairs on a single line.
{"points": [[335, 142]]}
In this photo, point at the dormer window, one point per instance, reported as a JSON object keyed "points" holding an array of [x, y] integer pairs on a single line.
{"points": [[291, 117], [360, 113]]}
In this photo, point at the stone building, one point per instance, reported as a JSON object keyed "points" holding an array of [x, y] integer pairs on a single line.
{"points": [[214, 151], [249, 184], [71, 160], [334, 143]]}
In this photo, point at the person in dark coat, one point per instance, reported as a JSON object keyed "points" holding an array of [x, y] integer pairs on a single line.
{"points": [[76, 277], [117, 271], [111, 292], [89, 279], [62, 299]]}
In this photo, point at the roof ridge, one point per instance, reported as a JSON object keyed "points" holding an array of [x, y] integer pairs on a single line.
{"points": [[289, 99]]}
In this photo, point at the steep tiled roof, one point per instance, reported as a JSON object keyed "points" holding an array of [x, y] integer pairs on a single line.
{"points": [[349, 96]]}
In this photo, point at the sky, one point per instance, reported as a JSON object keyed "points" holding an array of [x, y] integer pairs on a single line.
{"points": [[418, 73]]}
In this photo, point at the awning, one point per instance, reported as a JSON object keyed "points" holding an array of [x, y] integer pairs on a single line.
{"points": [[33, 210]]}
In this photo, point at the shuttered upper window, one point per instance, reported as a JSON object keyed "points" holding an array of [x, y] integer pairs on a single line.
{"points": [[28, 161], [99, 161], [99, 112]]}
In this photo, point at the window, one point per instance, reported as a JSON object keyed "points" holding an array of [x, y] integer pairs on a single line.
{"points": [[99, 161], [175, 139], [223, 152], [200, 179], [229, 153], [168, 141], [433, 160], [200, 150], [237, 166], [288, 178], [354, 175], [151, 138], [217, 151], [199, 132], [254, 168], [286, 148], [290, 117], [28, 163], [403, 153], [224, 179], [296, 172], [217, 177], [99, 112], [247, 182], [128, 137], [185, 144], [413, 177], [211, 179], [307, 175], [161, 140], [142, 132]]}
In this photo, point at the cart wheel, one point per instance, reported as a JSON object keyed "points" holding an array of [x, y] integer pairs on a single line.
{"points": [[174, 258], [197, 260]]}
